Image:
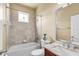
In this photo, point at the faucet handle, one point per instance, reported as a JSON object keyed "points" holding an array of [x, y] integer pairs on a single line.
{"points": [[72, 36]]}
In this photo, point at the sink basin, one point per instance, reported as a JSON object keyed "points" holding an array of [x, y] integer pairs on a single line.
{"points": [[74, 48]]}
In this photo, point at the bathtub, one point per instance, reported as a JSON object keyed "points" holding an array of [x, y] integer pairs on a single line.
{"points": [[23, 49]]}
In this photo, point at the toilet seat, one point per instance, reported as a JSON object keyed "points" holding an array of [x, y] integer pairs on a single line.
{"points": [[38, 52]]}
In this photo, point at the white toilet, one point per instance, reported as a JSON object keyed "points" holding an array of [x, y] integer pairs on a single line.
{"points": [[39, 52]]}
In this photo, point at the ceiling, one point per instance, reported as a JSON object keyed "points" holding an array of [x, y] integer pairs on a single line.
{"points": [[35, 5], [32, 5]]}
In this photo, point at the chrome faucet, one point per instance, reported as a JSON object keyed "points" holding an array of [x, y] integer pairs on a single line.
{"points": [[69, 44]]}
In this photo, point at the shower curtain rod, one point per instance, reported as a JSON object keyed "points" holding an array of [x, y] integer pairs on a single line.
{"points": [[15, 9]]}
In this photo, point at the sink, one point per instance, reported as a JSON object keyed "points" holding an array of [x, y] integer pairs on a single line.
{"points": [[74, 48], [61, 51]]}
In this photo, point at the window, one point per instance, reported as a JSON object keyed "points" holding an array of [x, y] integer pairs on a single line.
{"points": [[23, 17]]}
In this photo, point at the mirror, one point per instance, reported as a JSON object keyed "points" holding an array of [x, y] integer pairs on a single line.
{"points": [[63, 24], [75, 29]]}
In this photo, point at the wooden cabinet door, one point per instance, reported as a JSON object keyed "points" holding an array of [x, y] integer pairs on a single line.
{"points": [[49, 53]]}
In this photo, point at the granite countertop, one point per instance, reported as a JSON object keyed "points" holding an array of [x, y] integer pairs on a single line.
{"points": [[61, 51]]}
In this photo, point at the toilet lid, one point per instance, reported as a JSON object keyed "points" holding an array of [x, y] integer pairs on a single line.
{"points": [[38, 52]]}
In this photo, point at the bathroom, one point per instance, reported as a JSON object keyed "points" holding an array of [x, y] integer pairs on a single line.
{"points": [[52, 19]]}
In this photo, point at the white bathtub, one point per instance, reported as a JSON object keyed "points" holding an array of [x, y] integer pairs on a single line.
{"points": [[23, 49]]}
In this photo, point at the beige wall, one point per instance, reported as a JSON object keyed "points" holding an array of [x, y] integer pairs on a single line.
{"points": [[17, 30], [21, 31], [47, 11], [6, 26], [64, 21]]}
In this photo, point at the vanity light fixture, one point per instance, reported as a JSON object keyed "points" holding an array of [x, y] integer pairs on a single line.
{"points": [[63, 5]]}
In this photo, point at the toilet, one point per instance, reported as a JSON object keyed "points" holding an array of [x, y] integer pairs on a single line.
{"points": [[38, 52]]}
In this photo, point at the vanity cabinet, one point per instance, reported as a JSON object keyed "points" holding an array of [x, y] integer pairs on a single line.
{"points": [[49, 53]]}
